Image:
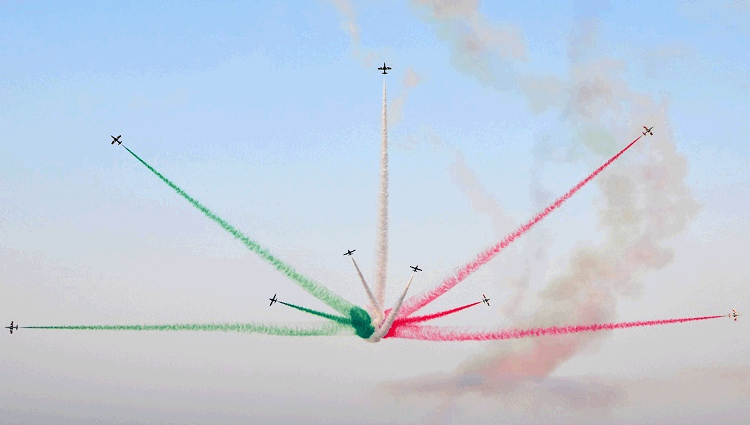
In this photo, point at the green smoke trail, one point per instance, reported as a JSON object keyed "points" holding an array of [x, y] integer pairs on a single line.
{"points": [[337, 319], [314, 288], [318, 329], [362, 322], [358, 319]]}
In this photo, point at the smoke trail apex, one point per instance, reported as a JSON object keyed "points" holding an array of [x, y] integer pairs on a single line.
{"points": [[381, 261], [386, 325], [376, 308]]}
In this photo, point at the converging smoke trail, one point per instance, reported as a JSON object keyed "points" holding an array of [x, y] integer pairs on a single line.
{"points": [[337, 319], [315, 329], [314, 288], [418, 301], [388, 322], [419, 319], [376, 308], [382, 236], [435, 333]]}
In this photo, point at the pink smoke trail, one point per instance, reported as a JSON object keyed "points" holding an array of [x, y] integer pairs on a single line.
{"points": [[419, 319], [418, 301], [436, 333]]}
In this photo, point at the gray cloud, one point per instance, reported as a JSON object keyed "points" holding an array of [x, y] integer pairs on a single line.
{"points": [[410, 81], [478, 47], [366, 57], [644, 199]]}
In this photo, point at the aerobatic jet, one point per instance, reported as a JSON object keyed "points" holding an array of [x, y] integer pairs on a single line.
{"points": [[16, 328], [648, 130], [273, 300], [416, 268], [116, 139], [733, 314], [350, 251], [485, 300], [384, 68]]}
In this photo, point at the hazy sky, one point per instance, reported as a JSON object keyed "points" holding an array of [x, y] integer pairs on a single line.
{"points": [[270, 115]]}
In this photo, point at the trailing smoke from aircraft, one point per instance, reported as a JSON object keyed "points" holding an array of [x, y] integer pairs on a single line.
{"points": [[419, 319], [418, 301], [383, 329], [434, 333], [381, 262], [317, 290], [307, 329], [337, 319], [396, 322]]}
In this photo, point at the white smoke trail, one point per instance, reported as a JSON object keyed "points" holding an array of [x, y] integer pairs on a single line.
{"points": [[376, 307], [386, 326], [381, 260]]}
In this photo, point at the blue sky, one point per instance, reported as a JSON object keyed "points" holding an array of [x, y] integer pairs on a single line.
{"points": [[270, 115]]}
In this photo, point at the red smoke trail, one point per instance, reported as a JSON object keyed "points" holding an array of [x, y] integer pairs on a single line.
{"points": [[436, 333], [419, 319], [418, 301]]}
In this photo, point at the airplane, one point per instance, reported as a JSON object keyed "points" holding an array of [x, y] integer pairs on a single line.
{"points": [[733, 314], [648, 130], [16, 328], [273, 300], [485, 300], [116, 139], [416, 268], [384, 68], [350, 251]]}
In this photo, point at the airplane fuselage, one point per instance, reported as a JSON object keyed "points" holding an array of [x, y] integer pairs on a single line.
{"points": [[384, 68]]}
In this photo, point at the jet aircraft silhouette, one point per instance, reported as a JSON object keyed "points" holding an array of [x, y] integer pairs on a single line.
{"points": [[16, 328], [384, 68]]}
